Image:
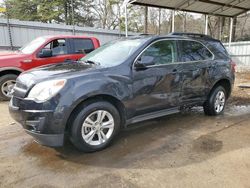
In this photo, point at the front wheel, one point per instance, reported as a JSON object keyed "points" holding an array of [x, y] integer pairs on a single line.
{"points": [[7, 83], [95, 126], [216, 102]]}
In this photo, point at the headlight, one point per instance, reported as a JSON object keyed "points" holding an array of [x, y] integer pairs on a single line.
{"points": [[45, 90]]}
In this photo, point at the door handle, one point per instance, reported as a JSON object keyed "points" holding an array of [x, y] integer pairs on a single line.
{"points": [[174, 71]]}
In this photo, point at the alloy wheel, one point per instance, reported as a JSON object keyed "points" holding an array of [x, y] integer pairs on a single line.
{"points": [[7, 87], [219, 101], [97, 127]]}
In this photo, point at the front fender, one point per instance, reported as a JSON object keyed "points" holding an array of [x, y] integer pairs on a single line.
{"points": [[79, 90]]}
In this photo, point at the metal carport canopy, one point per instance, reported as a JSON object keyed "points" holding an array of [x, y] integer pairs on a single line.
{"points": [[227, 8]]}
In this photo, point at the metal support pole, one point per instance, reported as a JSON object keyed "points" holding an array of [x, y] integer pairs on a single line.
{"points": [[206, 24], [230, 32], [119, 15], [146, 20], [125, 5], [159, 22], [126, 20], [220, 28], [173, 15]]}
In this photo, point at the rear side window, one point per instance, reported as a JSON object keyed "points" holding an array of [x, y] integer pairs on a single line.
{"points": [[194, 51], [218, 49], [83, 45]]}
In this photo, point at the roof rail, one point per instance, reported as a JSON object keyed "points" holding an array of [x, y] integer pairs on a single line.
{"points": [[193, 35], [146, 34]]}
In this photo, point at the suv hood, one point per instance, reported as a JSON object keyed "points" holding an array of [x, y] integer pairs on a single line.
{"points": [[10, 55], [62, 70], [4, 53]]}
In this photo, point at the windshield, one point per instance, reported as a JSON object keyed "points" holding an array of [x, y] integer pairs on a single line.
{"points": [[33, 45], [115, 52]]}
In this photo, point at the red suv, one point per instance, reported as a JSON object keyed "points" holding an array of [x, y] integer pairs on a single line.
{"points": [[41, 51]]}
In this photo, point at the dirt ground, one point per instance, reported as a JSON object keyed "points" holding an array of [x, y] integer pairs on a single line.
{"points": [[182, 150]]}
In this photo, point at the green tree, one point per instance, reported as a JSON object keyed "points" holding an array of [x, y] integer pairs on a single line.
{"points": [[22, 9], [52, 11]]}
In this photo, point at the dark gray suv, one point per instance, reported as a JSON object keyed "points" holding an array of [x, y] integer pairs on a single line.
{"points": [[121, 83]]}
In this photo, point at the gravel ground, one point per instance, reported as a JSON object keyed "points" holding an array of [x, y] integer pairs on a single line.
{"points": [[182, 150]]}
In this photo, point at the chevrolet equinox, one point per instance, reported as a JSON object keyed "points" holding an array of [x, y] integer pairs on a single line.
{"points": [[123, 82]]}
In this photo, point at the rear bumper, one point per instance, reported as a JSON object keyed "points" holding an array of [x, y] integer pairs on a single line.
{"points": [[43, 125]]}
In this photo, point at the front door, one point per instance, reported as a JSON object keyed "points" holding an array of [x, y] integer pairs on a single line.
{"points": [[60, 52], [158, 86]]}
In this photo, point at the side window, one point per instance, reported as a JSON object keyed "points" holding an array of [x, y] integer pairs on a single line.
{"points": [[57, 46], [83, 45], [163, 52], [194, 51]]}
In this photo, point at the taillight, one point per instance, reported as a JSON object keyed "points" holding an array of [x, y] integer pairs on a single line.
{"points": [[233, 65]]}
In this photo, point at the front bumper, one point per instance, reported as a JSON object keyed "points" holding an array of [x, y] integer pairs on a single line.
{"points": [[52, 140], [43, 125]]}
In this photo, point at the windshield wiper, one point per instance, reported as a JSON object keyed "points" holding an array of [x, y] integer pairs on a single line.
{"points": [[90, 62]]}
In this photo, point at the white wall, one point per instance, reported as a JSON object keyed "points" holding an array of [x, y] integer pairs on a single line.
{"points": [[240, 52]]}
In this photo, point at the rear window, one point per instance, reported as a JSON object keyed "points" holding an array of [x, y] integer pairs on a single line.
{"points": [[194, 51], [81, 45]]}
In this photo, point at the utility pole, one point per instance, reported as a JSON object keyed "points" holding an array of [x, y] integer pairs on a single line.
{"points": [[73, 16]]}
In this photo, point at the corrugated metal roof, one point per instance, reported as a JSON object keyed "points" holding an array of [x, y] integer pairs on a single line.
{"points": [[229, 8]]}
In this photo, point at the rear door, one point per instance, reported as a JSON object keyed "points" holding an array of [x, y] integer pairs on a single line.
{"points": [[196, 60], [80, 47], [158, 86]]}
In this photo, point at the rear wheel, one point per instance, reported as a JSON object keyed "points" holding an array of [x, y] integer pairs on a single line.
{"points": [[95, 126], [216, 102], [7, 83]]}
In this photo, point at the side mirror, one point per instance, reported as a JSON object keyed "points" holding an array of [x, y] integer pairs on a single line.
{"points": [[88, 50], [45, 53], [145, 61]]}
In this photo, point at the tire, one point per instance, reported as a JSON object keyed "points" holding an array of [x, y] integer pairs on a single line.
{"points": [[216, 102], [85, 125], [6, 84]]}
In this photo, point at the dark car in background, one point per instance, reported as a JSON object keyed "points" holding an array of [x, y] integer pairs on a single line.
{"points": [[41, 51], [121, 83]]}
